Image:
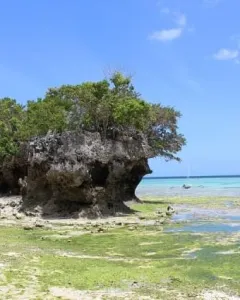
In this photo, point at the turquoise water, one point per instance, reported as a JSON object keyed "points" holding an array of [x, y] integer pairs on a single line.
{"points": [[201, 186], [207, 227]]}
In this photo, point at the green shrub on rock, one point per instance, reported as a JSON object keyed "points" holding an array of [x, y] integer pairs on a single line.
{"points": [[105, 106]]}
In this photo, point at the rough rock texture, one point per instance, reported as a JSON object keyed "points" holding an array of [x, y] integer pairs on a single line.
{"points": [[80, 173]]}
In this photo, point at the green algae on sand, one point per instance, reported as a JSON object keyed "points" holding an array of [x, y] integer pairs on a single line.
{"points": [[119, 261]]}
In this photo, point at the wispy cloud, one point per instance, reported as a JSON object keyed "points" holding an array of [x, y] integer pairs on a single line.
{"points": [[166, 34], [226, 54], [170, 34], [180, 19]]}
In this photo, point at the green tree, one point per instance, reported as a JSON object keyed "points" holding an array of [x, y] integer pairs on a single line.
{"points": [[106, 106], [44, 115], [132, 113], [122, 85], [12, 117], [163, 133]]}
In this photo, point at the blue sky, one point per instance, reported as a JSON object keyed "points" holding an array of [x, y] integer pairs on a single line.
{"points": [[181, 53]]}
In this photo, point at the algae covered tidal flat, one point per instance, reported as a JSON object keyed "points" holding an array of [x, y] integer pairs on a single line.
{"points": [[148, 255]]}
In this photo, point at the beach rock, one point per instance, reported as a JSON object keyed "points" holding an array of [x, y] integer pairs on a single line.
{"points": [[18, 216], [39, 224], [160, 221], [13, 204], [170, 211], [119, 224], [28, 227], [160, 214], [79, 172], [132, 228]]}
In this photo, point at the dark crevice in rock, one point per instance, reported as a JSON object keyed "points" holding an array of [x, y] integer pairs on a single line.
{"points": [[99, 173]]}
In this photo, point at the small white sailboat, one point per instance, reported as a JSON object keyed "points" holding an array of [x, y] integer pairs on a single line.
{"points": [[187, 186]]}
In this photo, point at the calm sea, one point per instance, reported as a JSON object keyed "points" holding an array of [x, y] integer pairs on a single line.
{"points": [[228, 186]]}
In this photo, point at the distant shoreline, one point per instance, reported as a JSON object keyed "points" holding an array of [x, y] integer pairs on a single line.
{"points": [[183, 177]]}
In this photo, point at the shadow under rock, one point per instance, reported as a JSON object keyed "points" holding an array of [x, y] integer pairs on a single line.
{"points": [[71, 211]]}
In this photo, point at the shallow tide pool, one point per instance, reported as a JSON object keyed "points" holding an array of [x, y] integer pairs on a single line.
{"points": [[206, 227]]}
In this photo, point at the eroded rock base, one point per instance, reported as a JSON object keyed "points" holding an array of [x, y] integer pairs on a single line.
{"points": [[80, 174]]}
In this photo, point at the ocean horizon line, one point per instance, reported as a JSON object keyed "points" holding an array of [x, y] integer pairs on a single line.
{"points": [[196, 176]]}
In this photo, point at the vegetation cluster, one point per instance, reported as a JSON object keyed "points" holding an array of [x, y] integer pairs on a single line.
{"points": [[110, 106]]}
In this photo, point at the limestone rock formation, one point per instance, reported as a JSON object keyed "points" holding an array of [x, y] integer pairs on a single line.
{"points": [[80, 173]]}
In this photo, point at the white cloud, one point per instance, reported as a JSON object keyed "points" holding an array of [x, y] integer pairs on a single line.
{"points": [[167, 34], [170, 34], [181, 19], [226, 54]]}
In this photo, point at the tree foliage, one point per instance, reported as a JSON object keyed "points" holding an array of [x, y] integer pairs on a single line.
{"points": [[105, 106], [42, 115], [11, 120]]}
